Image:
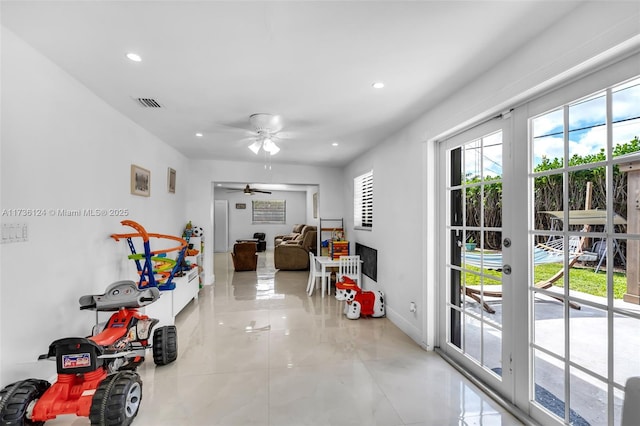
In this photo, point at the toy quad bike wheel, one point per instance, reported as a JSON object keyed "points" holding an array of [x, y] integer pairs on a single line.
{"points": [[165, 345], [117, 399], [17, 398]]}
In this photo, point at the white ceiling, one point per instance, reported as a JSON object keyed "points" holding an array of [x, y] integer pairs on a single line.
{"points": [[211, 64]]}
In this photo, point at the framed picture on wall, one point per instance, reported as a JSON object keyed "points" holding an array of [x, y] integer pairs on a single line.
{"points": [[140, 181], [315, 205], [171, 180]]}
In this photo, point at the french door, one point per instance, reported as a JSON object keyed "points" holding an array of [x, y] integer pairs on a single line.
{"points": [[476, 262]]}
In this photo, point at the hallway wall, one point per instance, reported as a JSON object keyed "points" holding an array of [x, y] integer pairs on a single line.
{"points": [[64, 149]]}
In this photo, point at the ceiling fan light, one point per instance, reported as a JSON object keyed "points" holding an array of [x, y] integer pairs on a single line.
{"points": [[271, 147], [255, 147], [267, 144]]}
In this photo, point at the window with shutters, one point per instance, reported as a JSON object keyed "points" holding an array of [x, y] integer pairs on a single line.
{"points": [[363, 201], [269, 211]]}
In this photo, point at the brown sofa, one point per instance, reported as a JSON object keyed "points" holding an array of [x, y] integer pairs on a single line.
{"points": [[245, 256], [293, 255], [295, 232]]}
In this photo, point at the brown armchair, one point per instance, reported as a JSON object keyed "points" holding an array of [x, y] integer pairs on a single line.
{"points": [[293, 255], [245, 256]]}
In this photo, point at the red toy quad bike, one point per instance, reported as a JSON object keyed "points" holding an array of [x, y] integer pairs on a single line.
{"points": [[96, 375]]}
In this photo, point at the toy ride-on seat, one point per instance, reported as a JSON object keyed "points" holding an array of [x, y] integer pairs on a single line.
{"points": [[120, 294]]}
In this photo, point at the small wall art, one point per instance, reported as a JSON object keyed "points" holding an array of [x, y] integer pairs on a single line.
{"points": [[171, 180], [241, 206], [315, 205], [140, 181]]}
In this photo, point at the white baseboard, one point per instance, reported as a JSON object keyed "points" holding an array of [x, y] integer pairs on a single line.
{"points": [[409, 329]]}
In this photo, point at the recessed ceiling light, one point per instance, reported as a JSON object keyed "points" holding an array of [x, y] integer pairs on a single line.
{"points": [[378, 85], [134, 57], [334, 144], [199, 135]]}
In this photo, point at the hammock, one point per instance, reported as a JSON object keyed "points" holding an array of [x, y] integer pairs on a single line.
{"points": [[550, 252], [494, 260]]}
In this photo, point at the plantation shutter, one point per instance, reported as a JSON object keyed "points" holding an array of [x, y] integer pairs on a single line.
{"points": [[363, 201]]}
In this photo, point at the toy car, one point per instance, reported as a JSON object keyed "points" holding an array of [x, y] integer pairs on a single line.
{"points": [[96, 375]]}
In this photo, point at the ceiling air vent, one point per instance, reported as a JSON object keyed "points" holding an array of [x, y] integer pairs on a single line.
{"points": [[148, 103]]}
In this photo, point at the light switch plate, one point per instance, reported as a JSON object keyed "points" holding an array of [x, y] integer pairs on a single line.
{"points": [[14, 233]]}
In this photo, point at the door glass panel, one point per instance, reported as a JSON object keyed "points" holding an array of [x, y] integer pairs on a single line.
{"points": [[626, 118], [626, 347], [492, 247], [587, 130], [473, 207], [549, 383], [472, 161], [620, 190], [588, 397], [548, 142], [475, 263], [472, 337], [548, 327], [492, 193], [492, 156], [587, 331], [492, 348], [618, 395], [548, 202]]}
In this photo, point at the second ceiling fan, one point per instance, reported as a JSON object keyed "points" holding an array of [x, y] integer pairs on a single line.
{"points": [[248, 190]]}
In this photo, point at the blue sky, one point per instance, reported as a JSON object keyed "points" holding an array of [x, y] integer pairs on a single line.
{"points": [[586, 119]]}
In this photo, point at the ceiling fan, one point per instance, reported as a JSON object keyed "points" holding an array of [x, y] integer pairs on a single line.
{"points": [[249, 191], [266, 128]]}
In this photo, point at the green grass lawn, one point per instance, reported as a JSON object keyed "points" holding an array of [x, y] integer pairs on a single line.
{"points": [[580, 279]]}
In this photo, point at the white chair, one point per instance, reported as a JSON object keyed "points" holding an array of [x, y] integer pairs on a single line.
{"points": [[314, 274], [349, 266]]}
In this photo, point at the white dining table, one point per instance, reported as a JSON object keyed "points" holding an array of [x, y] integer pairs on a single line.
{"points": [[327, 262]]}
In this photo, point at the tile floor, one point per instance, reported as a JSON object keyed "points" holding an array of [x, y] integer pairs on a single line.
{"points": [[256, 350]]}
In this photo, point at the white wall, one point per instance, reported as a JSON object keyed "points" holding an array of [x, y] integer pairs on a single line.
{"points": [[63, 148], [404, 169], [240, 220]]}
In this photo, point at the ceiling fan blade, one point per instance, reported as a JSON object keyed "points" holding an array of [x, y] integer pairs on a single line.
{"points": [[242, 124], [286, 135], [263, 192]]}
